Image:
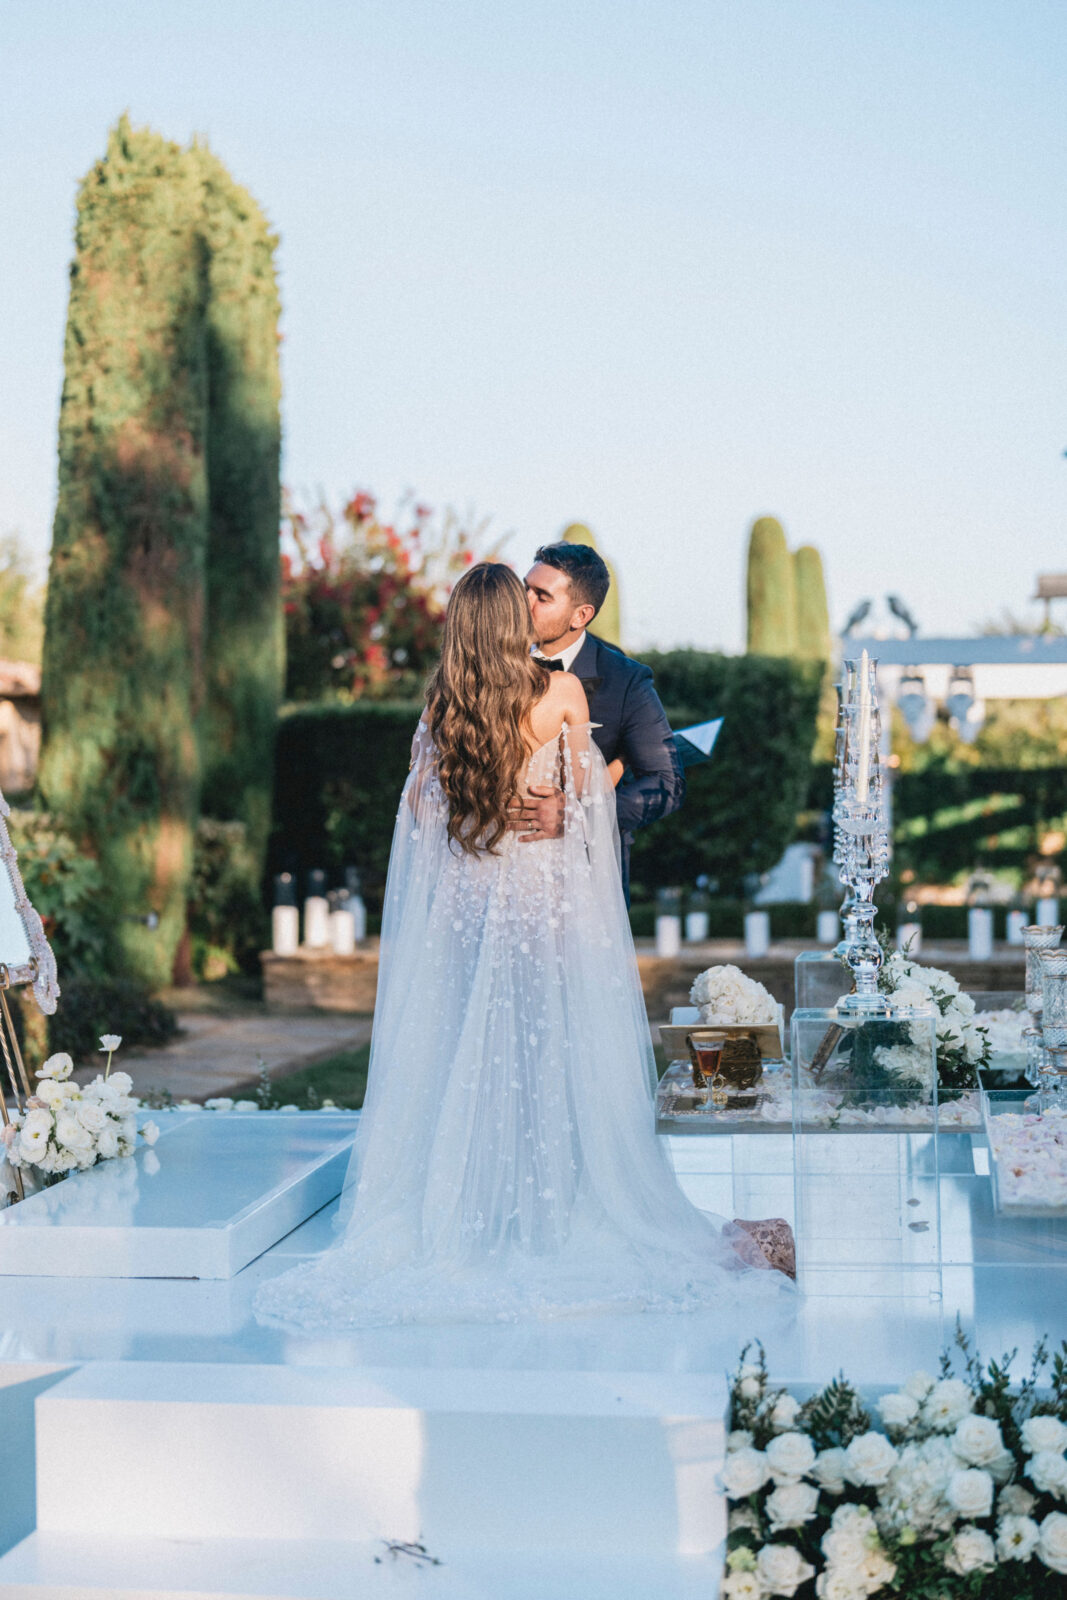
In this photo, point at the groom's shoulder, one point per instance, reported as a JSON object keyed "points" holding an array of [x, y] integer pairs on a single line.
{"points": [[615, 663]]}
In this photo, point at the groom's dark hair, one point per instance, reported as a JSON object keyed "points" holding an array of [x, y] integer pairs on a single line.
{"points": [[588, 575]]}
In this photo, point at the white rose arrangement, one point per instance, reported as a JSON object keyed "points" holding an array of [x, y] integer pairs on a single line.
{"points": [[961, 1491], [726, 996], [69, 1127], [963, 1043]]}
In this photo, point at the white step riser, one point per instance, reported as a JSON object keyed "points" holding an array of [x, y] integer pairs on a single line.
{"points": [[251, 1462]]}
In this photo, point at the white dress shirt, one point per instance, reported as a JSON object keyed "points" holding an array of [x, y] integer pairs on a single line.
{"points": [[567, 656]]}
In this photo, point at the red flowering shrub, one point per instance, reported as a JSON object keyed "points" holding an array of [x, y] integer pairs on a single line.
{"points": [[364, 599]]}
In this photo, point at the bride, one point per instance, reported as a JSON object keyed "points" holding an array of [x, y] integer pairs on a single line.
{"points": [[506, 1164]]}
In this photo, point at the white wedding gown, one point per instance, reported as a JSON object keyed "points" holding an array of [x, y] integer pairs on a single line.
{"points": [[506, 1165]]}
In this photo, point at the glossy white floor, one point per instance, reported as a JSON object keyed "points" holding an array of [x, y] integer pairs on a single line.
{"points": [[185, 1450]]}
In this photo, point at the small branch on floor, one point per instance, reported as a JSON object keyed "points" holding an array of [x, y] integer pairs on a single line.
{"points": [[415, 1552]]}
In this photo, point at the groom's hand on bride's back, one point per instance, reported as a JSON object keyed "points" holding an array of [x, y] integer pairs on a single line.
{"points": [[538, 814]]}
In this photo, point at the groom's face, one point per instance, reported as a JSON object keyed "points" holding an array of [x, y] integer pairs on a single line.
{"points": [[552, 606]]}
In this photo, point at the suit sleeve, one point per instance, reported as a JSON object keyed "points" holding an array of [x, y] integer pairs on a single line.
{"points": [[653, 785]]}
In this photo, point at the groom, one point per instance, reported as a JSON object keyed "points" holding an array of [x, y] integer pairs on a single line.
{"points": [[566, 587]]}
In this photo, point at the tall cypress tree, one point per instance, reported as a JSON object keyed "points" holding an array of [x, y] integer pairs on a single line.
{"points": [[771, 591], [813, 616], [245, 640], [122, 666], [608, 621]]}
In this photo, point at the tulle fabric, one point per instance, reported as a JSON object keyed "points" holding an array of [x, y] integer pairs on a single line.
{"points": [[506, 1165]]}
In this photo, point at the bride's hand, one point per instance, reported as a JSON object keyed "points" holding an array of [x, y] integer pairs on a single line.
{"points": [[537, 814], [615, 772]]}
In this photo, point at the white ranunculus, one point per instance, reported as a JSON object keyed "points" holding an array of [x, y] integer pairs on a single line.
{"points": [[32, 1143], [110, 1041], [1017, 1538], [149, 1133], [1047, 1472], [977, 1440], [790, 1456], [1044, 1433], [107, 1142], [739, 1439], [948, 1402], [70, 1133], [741, 1586], [91, 1116], [1015, 1501], [970, 1492], [791, 1505], [897, 1410], [744, 1472], [869, 1460], [829, 1470], [784, 1413], [781, 1569], [1052, 1542], [918, 1385], [972, 1551], [38, 1121], [58, 1066]]}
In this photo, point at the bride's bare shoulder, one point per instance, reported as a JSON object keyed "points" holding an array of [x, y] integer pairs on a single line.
{"points": [[563, 701]]}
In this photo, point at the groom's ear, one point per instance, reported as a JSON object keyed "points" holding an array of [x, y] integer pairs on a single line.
{"points": [[582, 616]]}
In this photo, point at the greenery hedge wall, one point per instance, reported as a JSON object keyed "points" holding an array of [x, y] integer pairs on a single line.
{"points": [[340, 768]]}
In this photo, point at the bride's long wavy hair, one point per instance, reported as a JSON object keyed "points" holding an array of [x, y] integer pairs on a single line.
{"points": [[479, 699]]}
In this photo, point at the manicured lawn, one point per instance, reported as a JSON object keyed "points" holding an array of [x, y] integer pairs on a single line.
{"points": [[341, 1078]]}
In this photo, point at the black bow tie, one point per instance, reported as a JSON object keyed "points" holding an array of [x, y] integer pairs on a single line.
{"points": [[553, 663]]}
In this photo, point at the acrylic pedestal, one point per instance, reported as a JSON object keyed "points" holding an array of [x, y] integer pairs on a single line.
{"points": [[819, 979], [865, 1153]]}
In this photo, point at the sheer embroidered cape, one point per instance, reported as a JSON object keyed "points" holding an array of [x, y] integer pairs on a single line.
{"points": [[506, 1164]]}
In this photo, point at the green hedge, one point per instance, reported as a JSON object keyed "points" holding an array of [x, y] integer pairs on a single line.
{"points": [[340, 768]]}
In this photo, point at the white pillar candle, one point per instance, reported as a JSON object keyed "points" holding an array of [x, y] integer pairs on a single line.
{"points": [[757, 933], [696, 926], [668, 936], [1048, 912], [316, 921], [979, 933], [285, 930], [863, 763], [1016, 923], [828, 927], [359, 915], [342, 933]]}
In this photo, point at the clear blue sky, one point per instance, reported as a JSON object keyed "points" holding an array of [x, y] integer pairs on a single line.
{"points": [[656, 265]]}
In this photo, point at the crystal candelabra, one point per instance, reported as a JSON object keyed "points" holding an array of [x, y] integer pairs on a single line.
{"points": [[861, 836], [1038, 941], [1052, 1075]]}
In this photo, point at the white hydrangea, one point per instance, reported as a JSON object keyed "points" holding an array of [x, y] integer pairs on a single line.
{"points": [[725, 995], [914, 1493]]}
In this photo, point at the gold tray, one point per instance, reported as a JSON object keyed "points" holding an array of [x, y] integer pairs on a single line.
{"points": [[675, 1037]]}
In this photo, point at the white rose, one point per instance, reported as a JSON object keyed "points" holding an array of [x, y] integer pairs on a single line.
{"points": [[791, 1505], [38, 1121], [742, 1517], [107, 1143], [739, 1439], [849, 1536], [790, 1456], [897, 1410], [1015, 1501], [829, 1470], [121, 1083], [149, 1133], [877, 1570], [782, 1570], [970, 1492], [918, 1385], [91, 1116], [910, 997], [948, 1402], [70, 1133], [977, 1441], [1044, 1433], [1052, 1542], [785, 1412], [741, 1586], [869, 1460], [1048, 1473], [840, 1583], [58, 1066], [744, 1472], [972, 1551], [749, 1388], [1017, 1538], [51, 1092]]}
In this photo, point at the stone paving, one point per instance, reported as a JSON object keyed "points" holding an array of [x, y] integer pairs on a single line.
{"points": [[217, 1053]]}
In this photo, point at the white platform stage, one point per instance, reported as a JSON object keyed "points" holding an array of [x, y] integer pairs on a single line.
{"points": [[184, 1450]]}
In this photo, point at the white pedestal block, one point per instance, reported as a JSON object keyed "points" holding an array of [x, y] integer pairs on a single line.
{"points": [[460, 1459], [227, 1187]]}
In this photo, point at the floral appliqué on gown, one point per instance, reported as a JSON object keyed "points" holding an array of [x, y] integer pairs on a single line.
{"points": [[506, 1165]]}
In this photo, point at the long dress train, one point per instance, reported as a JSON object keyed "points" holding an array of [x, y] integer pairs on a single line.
{"points": [[506, 1164]]}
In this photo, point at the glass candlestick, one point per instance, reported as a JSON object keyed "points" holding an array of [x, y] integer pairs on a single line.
{"points": [[1037, 941]]}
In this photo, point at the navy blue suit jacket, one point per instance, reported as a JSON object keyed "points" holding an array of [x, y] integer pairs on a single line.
{"points": [[634, 728]]}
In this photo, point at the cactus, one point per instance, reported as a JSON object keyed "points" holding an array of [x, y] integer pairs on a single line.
{"points": [[812, 615], [608, 622], [771, 591]]}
